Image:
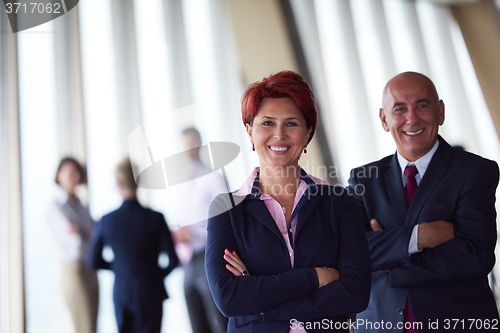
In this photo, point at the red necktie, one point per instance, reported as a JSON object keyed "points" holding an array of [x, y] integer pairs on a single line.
{"points": [[411, 187], [411, 183]]}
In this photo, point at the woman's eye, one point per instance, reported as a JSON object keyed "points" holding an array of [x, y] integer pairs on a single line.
{"points": [[267, 123], [291, 123]]}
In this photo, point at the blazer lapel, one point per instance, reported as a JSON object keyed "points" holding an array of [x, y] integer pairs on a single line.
{"points": [[436, 170], [257, 208], [394, 186], [308, 206]]}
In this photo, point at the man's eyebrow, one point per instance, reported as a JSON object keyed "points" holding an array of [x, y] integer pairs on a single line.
{"points": [[398, 104], [423, 100]]}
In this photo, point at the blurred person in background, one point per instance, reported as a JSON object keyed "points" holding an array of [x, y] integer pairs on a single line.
{"points": [[137, 236], [72, 226], [191, 238]]}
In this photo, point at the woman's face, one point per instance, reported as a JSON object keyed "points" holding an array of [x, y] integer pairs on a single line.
{"points": [[279, 132], [68, 177]]}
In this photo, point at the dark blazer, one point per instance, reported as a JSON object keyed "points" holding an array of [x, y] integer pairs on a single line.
{"points": [[328, 233], [137, 236], [449, 281]]}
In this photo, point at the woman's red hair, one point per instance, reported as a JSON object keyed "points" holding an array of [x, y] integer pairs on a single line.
{"points": [[283, 84]]}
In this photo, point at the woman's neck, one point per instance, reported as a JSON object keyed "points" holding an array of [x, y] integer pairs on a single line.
{"points": [[70, 190], [279, 182]]}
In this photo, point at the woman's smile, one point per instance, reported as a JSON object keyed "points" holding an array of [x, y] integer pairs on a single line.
{"points": [[279, 132]]}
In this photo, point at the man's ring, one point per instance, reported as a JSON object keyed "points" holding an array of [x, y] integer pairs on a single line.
{"points": [[245, 272]]}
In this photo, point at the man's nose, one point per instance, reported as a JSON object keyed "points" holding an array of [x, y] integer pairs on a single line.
{"points": [[412, 116]]}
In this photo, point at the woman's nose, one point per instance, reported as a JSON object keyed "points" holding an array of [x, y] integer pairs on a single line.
{"points": [[279, 132]]}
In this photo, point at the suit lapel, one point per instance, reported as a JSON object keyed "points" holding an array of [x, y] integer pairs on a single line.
{"points": [[394, 186], [437, 169], [257, 208], [306, 210]]}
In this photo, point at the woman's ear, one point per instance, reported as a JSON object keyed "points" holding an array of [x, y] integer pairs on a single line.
{"points": [[308, 134], [249, 131]]}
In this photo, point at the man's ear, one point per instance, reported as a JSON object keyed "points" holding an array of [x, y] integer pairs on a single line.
{"points": [[441, 112], [383, 119]]}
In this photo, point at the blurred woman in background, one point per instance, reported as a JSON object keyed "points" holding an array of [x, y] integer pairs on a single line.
{"points": [[72, 226]]}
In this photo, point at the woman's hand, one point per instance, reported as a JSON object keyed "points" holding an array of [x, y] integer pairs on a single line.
{"points": [[327, 275], [235, 266], [73, 228]]}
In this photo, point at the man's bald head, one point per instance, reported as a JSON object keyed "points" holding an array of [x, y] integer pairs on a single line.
{"points": [[408, 76]]}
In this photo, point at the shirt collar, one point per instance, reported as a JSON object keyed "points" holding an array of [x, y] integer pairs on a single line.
{"points": [[61, 195], [251, 185], [422, 163]]}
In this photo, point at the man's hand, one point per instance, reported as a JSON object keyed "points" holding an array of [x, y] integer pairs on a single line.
{"points": [[182, 235], [434, 233], [375, 225]]}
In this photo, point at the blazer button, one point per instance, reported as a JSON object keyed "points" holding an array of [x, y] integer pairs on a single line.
{"points": [[401, 312], [290, 254]]}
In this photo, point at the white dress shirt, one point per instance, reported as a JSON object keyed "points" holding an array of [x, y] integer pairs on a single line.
{"points": [[193, 202], [422, 163]]}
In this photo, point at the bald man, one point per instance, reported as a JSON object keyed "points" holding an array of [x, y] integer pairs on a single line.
{"points": [[430, 221]]}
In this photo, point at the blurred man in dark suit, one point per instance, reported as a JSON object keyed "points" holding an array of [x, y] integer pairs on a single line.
{"points": [[137, 236]]}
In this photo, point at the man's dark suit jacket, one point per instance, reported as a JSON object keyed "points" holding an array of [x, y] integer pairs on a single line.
{"points": [[449, 281], [328, 234], [137, 236]]}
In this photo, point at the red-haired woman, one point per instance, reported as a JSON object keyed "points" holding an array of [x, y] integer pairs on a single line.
{"points": [[287, 252]]}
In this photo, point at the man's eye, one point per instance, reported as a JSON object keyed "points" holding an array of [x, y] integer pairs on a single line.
{"points": [[422, 106]]}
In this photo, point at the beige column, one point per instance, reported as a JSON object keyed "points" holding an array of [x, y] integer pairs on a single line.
{"points": [[69, 86], [481, 32], [12, 317], [126, 69], [175, 38], [264, 47]]}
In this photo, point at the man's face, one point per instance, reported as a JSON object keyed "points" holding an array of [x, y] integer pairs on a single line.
{"points": [[191, 145], [412, 113]]}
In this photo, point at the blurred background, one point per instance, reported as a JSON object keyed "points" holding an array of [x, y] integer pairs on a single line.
{"points": [[81, 84]]}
